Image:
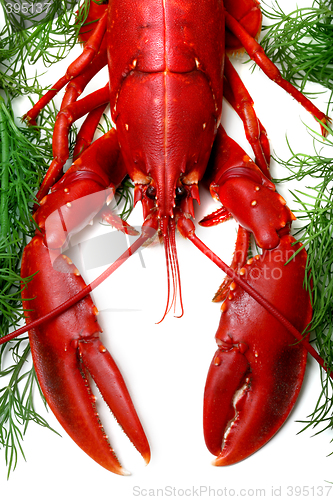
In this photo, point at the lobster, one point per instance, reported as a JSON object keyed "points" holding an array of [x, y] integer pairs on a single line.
{"points": [[169, 70]]}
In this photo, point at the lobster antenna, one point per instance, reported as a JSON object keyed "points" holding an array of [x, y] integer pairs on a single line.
{"points": [[168, 229], [147, 233], [177, 280], [164, 223]]}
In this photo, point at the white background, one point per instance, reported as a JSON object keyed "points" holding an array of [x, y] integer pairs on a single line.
{"points": [[165, 365]]}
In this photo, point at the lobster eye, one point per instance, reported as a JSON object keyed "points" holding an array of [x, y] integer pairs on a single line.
{"points": [[151, 192], [180, 192]]}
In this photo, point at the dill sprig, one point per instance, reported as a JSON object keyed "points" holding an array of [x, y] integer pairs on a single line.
{"points": [[23, 164], [316, 214], [24, 158], [17, 401], [301, 42]]}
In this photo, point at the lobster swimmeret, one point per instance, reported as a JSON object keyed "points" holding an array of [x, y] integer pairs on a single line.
{"points": [[168, 73]]}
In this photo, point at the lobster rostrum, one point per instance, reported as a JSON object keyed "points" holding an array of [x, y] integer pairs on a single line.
{"points": [[168, 73]]}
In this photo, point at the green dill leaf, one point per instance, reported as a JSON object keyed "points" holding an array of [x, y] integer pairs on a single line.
{"points": [[305, 36], [49, 41], [25, 155], [315, 211]]}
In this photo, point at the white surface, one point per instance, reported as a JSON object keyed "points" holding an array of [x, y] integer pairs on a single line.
{"points": [[165, 367]]}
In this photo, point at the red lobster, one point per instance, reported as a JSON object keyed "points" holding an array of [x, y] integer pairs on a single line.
{"points": [[168, 72]]}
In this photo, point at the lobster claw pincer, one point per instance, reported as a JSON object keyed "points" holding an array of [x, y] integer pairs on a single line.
{"points": [[67, 351], [257, 372]]}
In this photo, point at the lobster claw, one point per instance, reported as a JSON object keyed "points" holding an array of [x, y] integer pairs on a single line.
{"points": [[257, 372], [67, 351]]}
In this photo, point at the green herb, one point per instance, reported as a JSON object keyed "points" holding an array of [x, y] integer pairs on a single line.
{"points": [[51, 40], [16, 401], [24, 160], [306, 35], [24, 157], [316, 213]]}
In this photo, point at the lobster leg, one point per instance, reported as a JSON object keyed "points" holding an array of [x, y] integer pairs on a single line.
{"points": [[248, 14], [68, 115], [77, 85], [257, 54], [74, 88], [65, 119], [91, 47], [86, 133], [239, 98]]}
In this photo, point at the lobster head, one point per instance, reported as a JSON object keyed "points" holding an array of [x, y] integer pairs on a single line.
{"points": [[166, 127], [166, 142]]}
